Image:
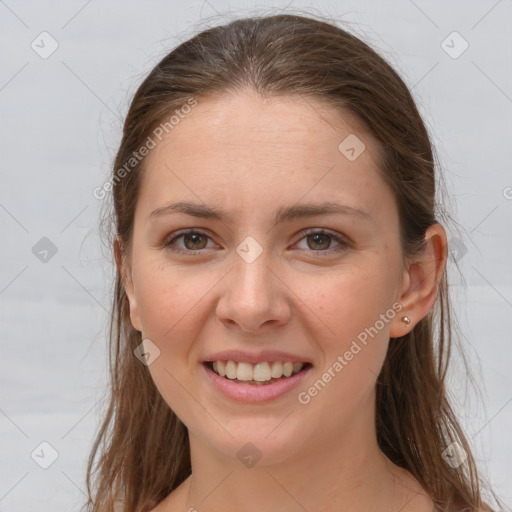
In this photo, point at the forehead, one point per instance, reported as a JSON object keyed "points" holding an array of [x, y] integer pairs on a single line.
{"points": [[246, 151]]}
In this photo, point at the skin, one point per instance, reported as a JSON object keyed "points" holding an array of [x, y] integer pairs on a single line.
{"points": [[251, 156]]}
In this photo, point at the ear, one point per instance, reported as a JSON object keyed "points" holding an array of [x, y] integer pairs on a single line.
{"points": [[421, 281], [124, 271]]}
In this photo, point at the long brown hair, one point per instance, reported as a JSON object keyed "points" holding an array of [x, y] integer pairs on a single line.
{"points": [[141, 452]]}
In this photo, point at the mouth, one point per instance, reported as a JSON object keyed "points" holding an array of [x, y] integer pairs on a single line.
{"points": [[260, 374]]}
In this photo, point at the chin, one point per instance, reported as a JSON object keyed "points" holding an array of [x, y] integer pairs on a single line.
{"points": [[257, 441]]}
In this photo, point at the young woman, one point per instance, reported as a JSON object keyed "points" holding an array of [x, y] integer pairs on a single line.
{"points": [[281, 323]]}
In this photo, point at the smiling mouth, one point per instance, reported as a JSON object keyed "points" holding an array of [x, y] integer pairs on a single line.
{"points": [[260, 374]]}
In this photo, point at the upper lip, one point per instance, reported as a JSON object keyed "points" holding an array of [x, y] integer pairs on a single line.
{"points": [[243, 356]]}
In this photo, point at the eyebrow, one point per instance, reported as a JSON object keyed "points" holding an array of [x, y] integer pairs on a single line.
{"points": [[283, 214]]}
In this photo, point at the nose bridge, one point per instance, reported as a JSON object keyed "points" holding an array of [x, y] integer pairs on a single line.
{"points": [[252, 276], [252, 296]]}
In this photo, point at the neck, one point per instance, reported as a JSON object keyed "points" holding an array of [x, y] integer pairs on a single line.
{"points": [[346, 471]]}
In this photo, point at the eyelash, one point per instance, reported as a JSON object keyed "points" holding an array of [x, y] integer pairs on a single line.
{"points": [[343, 243]]}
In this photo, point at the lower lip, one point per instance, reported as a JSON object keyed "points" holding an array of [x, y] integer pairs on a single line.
{"points": [[255, 393]]}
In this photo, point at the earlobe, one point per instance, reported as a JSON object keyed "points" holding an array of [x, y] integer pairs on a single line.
{"points": [[421, 282], [124, 272]]}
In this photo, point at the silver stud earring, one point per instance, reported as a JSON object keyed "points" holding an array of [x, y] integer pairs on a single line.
{"points": [[406, 320]]}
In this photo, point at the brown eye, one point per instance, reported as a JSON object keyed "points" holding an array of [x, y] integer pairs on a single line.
{"points": [[194, 241], [319, 241], [188, 241]]}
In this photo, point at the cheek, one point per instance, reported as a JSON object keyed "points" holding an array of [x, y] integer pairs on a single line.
{"points": [[359, 315], [350, 300], [353, 313], [168, 299], [170, 309]]}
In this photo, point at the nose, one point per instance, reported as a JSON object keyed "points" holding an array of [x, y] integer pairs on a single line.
{"points": [[253, 297]]}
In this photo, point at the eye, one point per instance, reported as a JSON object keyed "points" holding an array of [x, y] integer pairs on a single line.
{"points": [[319, 240], [192, 241]]}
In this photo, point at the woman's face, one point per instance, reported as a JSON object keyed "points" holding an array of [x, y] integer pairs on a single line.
{"points": [[266, 275]]}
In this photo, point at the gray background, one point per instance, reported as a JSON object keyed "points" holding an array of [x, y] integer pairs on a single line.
{"points": [[60, 123]]}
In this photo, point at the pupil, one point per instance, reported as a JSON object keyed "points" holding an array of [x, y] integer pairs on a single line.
{"points": [[195, 239], [318, 237]]}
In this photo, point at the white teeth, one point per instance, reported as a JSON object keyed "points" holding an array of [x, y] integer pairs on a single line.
{"points": [[221, 369], [277, 370], [287, 369], [244, 371], [231, 370], [260, 372]]}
